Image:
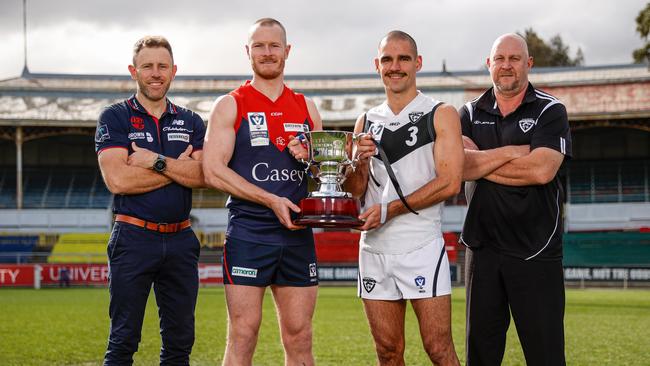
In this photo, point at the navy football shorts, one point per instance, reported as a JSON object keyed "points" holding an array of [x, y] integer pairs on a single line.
{"points": [[253, 264]]}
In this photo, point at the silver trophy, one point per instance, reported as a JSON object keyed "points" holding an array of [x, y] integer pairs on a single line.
{"points": [[330, 153]]}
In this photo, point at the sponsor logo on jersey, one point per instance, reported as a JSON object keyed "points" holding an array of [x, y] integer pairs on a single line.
{"points": [[477, 122], [526, 124], [137, 122], [136, 136], [178, 137], [258, 128], [312, 270], [415, 116], [394, 124], [244, 272], [176, 129], [369, 284], [101, 134], [149, 137], [276, 114], [178, 122], [294, 127], [262, 173], [419, 282]]}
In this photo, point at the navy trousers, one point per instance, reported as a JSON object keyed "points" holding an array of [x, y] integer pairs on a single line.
{"points": [[138, 259]]}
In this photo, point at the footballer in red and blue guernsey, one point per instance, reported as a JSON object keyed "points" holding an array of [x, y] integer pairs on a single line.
{"points": [[149, 153], [247, 155]]}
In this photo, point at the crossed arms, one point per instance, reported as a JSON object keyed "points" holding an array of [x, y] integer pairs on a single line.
{"points": [[132, 174]]}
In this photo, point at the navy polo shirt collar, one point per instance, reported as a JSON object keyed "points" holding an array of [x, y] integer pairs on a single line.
{"points": [[134, 104], [488, 101]]}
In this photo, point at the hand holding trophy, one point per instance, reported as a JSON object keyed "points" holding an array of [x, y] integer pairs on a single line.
{"points": [[330, 153]]}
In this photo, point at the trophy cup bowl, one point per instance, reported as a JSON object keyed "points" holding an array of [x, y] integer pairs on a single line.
{"points": [[329, 206]]}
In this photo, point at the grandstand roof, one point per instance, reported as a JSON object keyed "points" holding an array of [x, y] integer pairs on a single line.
{"points": [[36, 99]]}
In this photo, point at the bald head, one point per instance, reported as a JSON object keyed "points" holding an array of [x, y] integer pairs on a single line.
{"points": [[401, 36], [511, 41], [267, 22]]}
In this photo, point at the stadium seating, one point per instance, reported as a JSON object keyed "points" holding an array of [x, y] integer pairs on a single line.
{"points": [[607, 249], [7, 188], [608, 181], [17, 249], [80, 248]]}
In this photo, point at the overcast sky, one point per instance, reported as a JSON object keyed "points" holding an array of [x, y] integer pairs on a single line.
{"points": [[328, 37]]}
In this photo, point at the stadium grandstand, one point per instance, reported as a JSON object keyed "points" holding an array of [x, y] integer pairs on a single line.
{"points": [[55, 208]]}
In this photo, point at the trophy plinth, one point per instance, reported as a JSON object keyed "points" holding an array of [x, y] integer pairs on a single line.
{"points": [[329, 212], [329, 206]]}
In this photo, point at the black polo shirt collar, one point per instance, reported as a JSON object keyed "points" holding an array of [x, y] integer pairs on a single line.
{"points": [[488, 102], [134, 104]]}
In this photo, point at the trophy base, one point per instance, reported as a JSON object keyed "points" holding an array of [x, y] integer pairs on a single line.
{"points": [[329, 212]]}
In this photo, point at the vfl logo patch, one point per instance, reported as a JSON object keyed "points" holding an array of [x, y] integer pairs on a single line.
{"points": [[415, 116], [312, 270], [137, 122], [369, 284], [102, 134], [526, 124], [258, 129], [244, 272], [257, 119], [419, 282]]}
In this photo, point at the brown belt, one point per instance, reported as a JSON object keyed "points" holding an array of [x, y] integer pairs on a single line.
{"points": [[154, 226]]}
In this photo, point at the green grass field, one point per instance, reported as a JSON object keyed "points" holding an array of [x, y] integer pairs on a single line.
{"points": [[70, 327]]}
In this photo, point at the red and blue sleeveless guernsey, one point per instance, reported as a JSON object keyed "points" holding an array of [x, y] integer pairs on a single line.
{"points": [[261, 157]]}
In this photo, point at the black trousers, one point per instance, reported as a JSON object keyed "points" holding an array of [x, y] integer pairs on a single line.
{"points": [[533, 291], [138, 259]]}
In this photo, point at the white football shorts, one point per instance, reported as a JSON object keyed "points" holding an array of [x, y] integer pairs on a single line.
{"points": [[419, 274]]}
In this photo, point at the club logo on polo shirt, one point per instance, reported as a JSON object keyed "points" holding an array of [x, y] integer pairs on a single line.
{"points": [[137, 122], [369, 284], [102, 134], [526, 124], [419, 282], [415, 116], [244, 272], [259, 131]]}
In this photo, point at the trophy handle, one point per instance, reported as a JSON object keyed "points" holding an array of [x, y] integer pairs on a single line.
{"points": [[305, 141]]}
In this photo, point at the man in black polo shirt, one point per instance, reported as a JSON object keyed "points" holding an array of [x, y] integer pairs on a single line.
{"points": [[149, 153], [516, 138]]}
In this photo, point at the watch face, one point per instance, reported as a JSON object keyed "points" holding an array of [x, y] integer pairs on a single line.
{"points": [[159, 165]]}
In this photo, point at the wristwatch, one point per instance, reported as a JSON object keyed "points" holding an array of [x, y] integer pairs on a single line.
{"points": [[159, 164]]}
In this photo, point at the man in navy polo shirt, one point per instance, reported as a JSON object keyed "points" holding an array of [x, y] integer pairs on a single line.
{"points": [[516, 139], [149, 153]]}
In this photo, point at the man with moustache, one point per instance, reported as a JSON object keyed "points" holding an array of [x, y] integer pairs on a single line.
{"points": [[246, 155], [149, 153], [414, 164], [516, 139]]}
